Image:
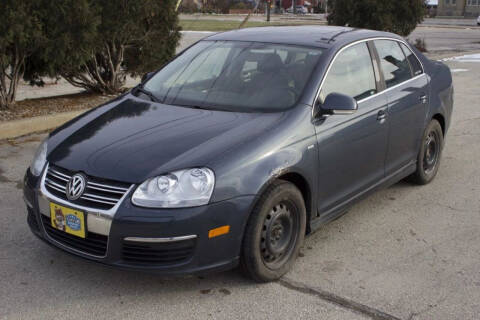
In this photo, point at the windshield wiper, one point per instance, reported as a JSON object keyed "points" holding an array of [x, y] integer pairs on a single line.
{"points": [[146, 92]]}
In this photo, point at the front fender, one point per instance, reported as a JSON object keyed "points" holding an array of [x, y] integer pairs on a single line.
{"points": [[290, 147]]}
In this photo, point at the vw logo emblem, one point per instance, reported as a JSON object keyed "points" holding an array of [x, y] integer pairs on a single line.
{"points": [[76, 186]]}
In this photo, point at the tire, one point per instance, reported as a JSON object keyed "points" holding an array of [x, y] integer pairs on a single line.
{"points": [[428, 159], [274, 233]]}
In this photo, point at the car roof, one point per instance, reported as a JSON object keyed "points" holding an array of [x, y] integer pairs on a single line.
{"points": [[312, 36]]}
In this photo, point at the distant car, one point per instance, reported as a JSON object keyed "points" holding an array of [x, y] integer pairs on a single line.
{"points": [[239, 147], [299, 10], [478, 21]]}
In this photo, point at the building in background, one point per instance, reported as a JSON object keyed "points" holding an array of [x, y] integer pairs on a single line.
{"points": [[459, 8], [313, 6], [432, 7]]}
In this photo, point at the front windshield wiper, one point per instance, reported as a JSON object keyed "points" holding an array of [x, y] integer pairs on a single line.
{"points": [[146, 92], [194, 106]]}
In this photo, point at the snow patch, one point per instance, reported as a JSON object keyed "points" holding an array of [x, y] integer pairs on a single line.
{"points": [[465, 58]]}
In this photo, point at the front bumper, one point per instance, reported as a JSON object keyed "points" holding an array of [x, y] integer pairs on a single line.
{"points": [[176, 240]]}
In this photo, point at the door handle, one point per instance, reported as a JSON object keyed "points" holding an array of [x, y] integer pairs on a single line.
{"points": [[423, 98], [381, 115]]}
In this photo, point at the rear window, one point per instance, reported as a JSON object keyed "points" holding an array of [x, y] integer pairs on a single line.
{"points": [[395, 66], [414, 63]]}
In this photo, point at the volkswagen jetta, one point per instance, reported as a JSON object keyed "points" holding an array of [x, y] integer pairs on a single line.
{"points": [[239, 147]]}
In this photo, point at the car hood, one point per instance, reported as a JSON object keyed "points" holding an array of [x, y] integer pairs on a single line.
{"points": [[131, 139]]}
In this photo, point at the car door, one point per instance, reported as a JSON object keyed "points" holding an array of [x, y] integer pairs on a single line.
{"points": [[407, 94], [351, 148]]}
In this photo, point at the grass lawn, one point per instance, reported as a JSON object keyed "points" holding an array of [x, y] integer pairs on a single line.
{"points": [[225, 25]]}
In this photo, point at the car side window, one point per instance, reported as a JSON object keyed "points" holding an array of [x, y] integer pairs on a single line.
{"points": [[351, 73], [394, 64], [414, 63]]}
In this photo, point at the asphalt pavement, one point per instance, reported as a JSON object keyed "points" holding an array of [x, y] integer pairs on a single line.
{"points": [[407, 252]]}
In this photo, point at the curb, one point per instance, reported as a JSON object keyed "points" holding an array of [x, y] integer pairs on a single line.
{"points": [[17, 128]]}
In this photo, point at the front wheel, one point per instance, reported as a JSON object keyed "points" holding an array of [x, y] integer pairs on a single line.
{"points": [[274, 232], [428, 159]]}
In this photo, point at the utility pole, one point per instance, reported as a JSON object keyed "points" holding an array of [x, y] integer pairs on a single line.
{"points": [[268, 10], [294, 5]]}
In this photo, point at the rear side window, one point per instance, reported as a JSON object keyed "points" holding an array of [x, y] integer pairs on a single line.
{"points": [[394, 64], [351, 74], [414, 63]]}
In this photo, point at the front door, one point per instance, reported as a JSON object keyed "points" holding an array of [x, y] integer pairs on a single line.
{"points": [[351, 148]]}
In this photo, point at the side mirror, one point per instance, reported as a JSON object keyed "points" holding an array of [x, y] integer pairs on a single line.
{"points": [[337, 103], [147, 76]]}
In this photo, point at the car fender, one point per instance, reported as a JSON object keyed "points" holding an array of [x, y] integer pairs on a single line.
{"points": [[251, 167]]}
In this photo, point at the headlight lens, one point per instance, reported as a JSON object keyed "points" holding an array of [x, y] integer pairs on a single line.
{"points": [[179, 189], [39, 159]]}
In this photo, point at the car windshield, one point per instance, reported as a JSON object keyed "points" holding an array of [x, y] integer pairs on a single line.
{"points": [[235, 76]]}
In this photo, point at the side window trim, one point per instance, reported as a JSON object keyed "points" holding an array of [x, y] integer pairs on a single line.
{"points": [[351, 44]]}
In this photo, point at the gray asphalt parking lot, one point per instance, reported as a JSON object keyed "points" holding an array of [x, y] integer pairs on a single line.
{"points": [[406, 252]]}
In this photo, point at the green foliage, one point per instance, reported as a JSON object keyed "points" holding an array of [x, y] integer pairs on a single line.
{"points": [[128, 37], [188, 6], [70, 29], [21, 35], [216, 6], [93, 44], [398, 16]]}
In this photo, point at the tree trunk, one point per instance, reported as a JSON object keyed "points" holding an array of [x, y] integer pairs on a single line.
{"points": [[103, 72], [10, 76]]}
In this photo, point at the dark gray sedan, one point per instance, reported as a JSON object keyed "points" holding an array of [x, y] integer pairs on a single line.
{"points": [[239, 147]]}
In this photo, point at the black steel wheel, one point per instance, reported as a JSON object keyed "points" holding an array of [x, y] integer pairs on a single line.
{"points": [[429, 156], [431, 152], [279, 234], [274, 233]]}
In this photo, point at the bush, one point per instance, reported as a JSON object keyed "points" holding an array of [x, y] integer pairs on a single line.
{"points": [[21, 34], [420, 44], [131, 37], [396, 16], [216, 6], [241, 5], [188, 7], [93, 44]]}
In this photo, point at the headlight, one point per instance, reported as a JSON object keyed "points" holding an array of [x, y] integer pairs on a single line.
{"points": [[39, 159], [179, 189]]}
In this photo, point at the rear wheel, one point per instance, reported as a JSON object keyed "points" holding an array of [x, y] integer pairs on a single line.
{"points": [[274, 233], [428, 159]]}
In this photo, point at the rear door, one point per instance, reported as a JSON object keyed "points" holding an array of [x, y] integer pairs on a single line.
{"points": [[407, 94], [351, 148]]}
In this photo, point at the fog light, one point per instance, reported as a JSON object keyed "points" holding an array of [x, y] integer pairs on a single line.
{"points": [[218, 231]]}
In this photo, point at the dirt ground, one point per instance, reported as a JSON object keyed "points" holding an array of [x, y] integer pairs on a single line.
{"points": [[45, 106]]}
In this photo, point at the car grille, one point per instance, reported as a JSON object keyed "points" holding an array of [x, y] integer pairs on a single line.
{"points": [[94, 244], [99, 193], [157, 253]]}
